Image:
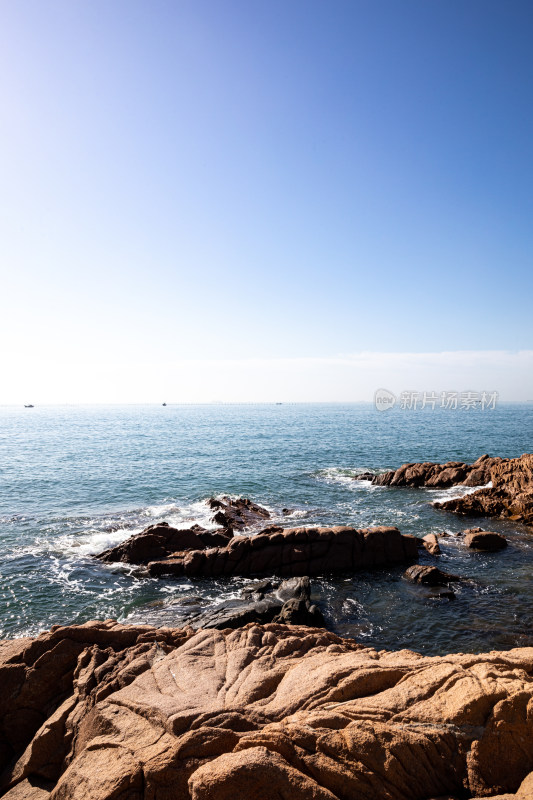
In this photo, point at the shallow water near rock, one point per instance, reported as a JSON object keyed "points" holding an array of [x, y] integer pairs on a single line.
{"points": [[76, 480]]}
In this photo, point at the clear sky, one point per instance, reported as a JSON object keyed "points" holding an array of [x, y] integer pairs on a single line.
{"points": [[277, 199]]}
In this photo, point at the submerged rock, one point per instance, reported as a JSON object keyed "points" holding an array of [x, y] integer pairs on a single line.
{"points": [[478, 539], [511, 494], [295, 551], [430, 576], [441, 594], [102, 712], [365, 476]]}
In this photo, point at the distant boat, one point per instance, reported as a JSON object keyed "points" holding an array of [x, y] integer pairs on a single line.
{"points": [[279, 404], [164, 404], [29, 406]]}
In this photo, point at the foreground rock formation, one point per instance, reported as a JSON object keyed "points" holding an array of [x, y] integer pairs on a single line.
{"points": [[293, 552], [436, 476], [511, 494], [103, 711]]}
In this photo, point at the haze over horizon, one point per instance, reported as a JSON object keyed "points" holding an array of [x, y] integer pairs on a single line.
{"points": [[224, 201]]}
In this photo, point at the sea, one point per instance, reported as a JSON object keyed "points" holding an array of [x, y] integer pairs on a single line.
{"points": [[75, 480]]}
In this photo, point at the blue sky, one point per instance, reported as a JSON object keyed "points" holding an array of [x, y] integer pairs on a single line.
{"points": [[266, 183]]}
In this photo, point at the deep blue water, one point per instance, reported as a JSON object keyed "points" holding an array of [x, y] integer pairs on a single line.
{"points": [[74, 480]]}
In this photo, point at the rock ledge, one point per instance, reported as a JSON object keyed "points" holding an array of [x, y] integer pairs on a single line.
{"points": [[106, 712]]}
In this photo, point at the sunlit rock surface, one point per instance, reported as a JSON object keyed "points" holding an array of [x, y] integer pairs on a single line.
{"points": [[104, 711], [510, 496]]}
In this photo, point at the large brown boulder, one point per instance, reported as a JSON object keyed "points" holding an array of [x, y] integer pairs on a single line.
{"points": [[429, 576], [438, 476], [490, 541], [159, 541], [511, 494], [295, 551], [267, 712]]}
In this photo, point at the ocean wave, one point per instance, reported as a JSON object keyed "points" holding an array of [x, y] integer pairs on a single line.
{"points": [[297, 513], [346, 476], [455, 491], [80, 537], [83, 537], [11, 519]]}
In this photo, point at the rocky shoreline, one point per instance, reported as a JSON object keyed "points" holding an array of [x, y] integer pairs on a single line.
{"points": [[508, 495], [253, 697], [436, 476], [243, 548], [104, 711], [288, 552]]}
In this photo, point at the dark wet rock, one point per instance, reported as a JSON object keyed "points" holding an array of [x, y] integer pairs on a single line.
{"points": [[510, 497], [235, 515], [429, 576], [286, 601], [437, 476], [478, 539], [272, 529], [265, 601], [295, 552], [160, 541], [442, 594], [258, 589], [190, 600], [217, 538], [431, 544], [383, 479], [365, 476]]}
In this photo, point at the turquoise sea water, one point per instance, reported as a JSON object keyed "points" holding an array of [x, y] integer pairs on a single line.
{"points": [[75, 480]]}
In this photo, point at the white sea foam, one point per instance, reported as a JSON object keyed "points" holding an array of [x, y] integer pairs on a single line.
{"points": [[347, 476], [78, 538], [196, 513], [454, 492], [297, 513], [176, 588], [91, 536]]}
